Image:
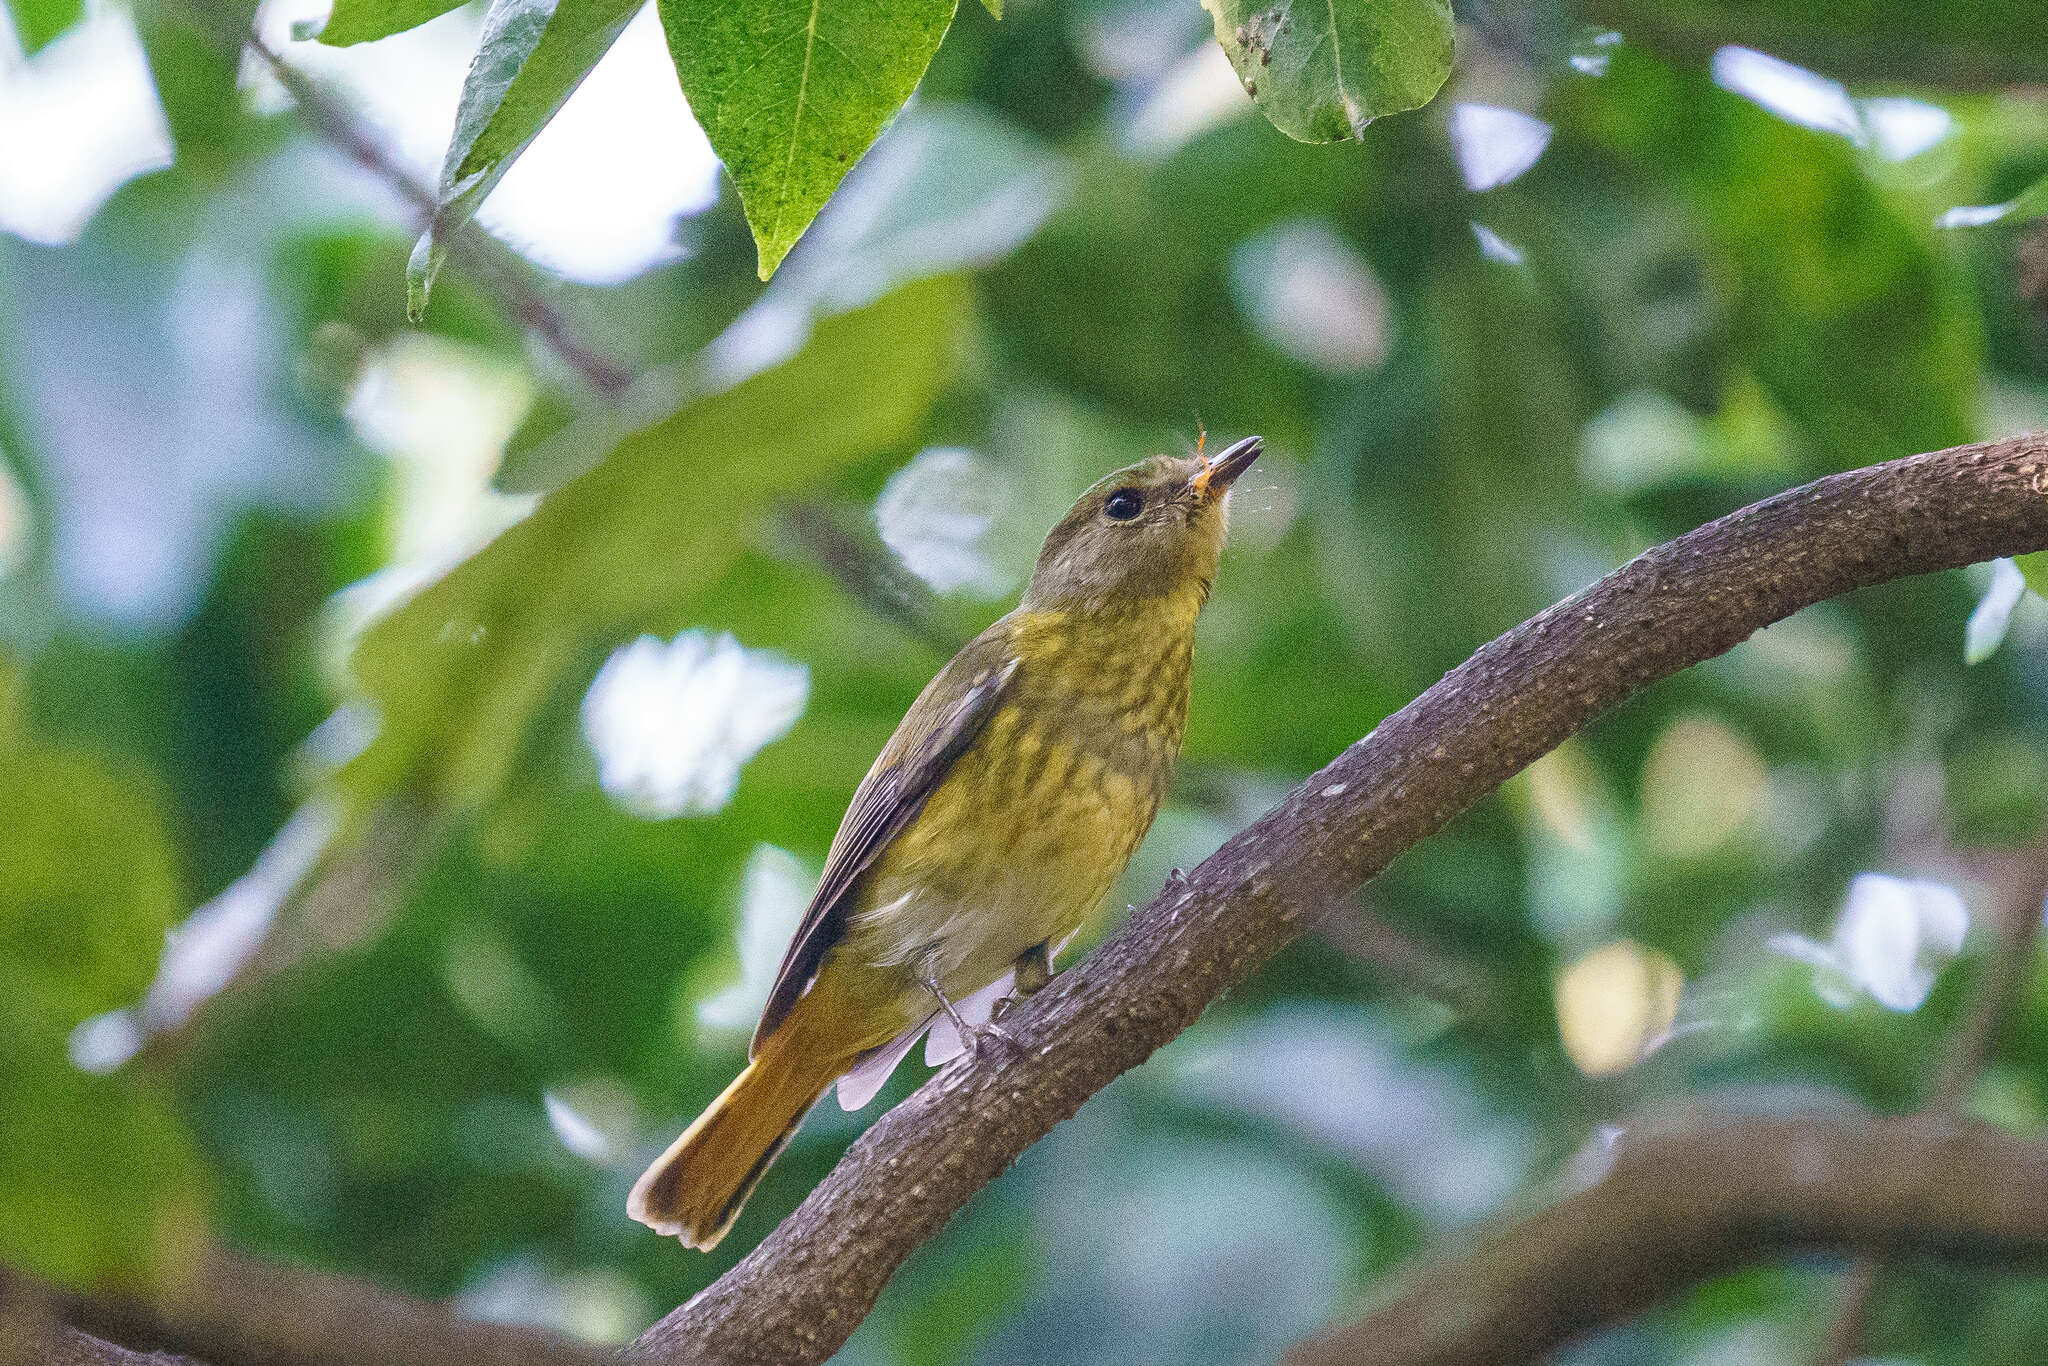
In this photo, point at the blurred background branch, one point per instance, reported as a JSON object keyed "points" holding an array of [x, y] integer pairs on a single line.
{"points": [[1684, 1197], [226, 1309], [1945, 49]]}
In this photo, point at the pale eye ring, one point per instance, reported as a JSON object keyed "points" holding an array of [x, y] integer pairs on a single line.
{"points": [[1123, 505]]}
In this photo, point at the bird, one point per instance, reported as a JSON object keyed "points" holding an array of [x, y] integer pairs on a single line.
{"points": [[992, 824]]}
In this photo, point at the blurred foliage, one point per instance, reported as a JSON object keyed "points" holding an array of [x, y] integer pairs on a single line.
{"points": [[265, 550]]}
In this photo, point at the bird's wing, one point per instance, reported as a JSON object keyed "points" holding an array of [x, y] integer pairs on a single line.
{"points": [[933, 734]]}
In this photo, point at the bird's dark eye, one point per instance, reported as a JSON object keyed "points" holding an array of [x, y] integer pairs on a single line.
{"points": [[1123, 505]]}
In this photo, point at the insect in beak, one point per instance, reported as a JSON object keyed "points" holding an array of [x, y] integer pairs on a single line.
{"points": [[1216, 477]]}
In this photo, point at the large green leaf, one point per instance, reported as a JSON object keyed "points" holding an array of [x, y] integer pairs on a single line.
{"points": [[793, 92], [363, 21], [99, 1180], [457, 672], [533, 55], [1321, 72]]}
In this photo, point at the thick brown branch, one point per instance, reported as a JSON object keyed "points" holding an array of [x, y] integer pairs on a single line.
{"points": [[799, 1294], [1684, 1201]]}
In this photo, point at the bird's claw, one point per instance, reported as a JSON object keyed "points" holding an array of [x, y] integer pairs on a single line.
{"points": [[992, 1042]]}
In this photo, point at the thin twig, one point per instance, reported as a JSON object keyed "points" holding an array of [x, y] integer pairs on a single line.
{"points": [[869, 576], [476, 249], [799, 1294]]}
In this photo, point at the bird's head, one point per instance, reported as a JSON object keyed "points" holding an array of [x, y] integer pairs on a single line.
{"points": [[1154, 530]]}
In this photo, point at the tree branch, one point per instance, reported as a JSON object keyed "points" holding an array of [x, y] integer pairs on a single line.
{"points": [[798, 1295], [30, 1335], [228, 1309], [1685, 1201]]}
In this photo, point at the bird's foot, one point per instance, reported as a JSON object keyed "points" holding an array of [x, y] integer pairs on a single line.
{"points": [[993, 1043]]}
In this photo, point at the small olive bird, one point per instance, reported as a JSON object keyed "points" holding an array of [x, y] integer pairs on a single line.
{"points": [[996, 818]]}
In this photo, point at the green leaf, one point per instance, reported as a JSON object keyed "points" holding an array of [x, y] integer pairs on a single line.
{"points": [[1321, 72], [532, 56], [791, 93], [363, 21], [457, 673], [36, 22]]}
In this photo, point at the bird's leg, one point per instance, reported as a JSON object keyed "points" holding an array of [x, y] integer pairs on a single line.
{"points": [[976, 1037], [1034, 973]]}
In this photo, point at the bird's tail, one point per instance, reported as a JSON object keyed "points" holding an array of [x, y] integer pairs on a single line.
{"points": [[694, 1190]]}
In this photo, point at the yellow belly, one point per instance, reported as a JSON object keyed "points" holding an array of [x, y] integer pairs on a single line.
{"points": [[1015, 848]]}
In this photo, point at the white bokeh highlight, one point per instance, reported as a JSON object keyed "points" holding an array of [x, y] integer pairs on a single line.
{"points": [[77, 121], [936, 514], [1791, 92], [1494, 145], [773, 893], [1986, 629], [595, 198], [672, 722], [1890, 942], [1309, 294]]}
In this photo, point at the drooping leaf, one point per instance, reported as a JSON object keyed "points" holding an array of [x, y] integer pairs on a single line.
{"points": [[532, 56], [457, 672], [1321, 72], [364, 21], [791, 93]]}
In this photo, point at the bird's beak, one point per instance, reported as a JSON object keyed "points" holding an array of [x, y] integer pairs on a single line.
{"points": [[1214, 479]]}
